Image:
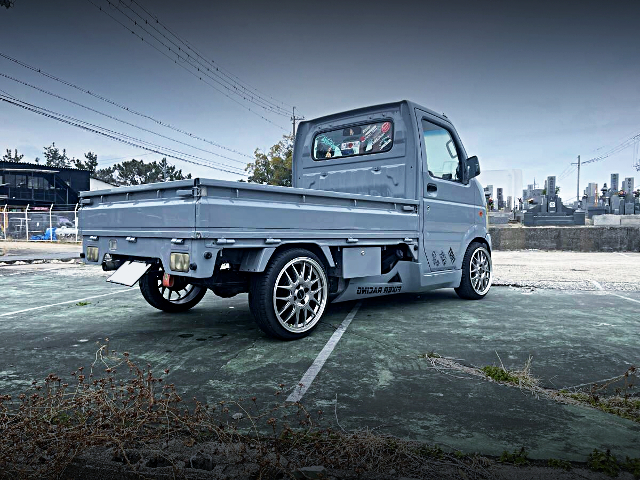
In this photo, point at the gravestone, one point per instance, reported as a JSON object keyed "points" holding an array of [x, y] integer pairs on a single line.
{"points": [[614, 205], [629, 208], [614, 183], [551, 185]]}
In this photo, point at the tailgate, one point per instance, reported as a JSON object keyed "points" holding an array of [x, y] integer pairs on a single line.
{"points": [[153, 210]]}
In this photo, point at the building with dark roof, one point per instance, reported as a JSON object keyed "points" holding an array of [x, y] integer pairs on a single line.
{"points": [[35, 185]]}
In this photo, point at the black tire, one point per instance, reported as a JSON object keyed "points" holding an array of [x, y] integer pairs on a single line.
{"points": [[152, 291], [475, 288], [312, 299]]}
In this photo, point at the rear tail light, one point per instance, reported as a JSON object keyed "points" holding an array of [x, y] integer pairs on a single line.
{"points": [[179, 262], [92, 254]]}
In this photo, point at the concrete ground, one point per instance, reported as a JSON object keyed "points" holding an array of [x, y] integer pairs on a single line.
{"points": [[575, 314], [12, 252]]}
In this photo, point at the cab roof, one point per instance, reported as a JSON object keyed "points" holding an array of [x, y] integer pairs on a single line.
{"points": [[376, 108]]}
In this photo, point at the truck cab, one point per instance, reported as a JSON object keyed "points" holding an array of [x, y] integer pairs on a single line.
{"points": [[384, 200], [401, 150]]}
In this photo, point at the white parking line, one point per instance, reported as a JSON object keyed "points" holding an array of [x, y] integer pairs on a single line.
{"points": [[64, 303], [622, 296], [316, 366], [599, 287]]}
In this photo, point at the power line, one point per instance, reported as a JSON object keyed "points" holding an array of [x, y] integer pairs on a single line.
{"points": [[199, 71], [122, 134], [112, 161], [119, 105], [616, 149], [121, 158], [568, 172], [627, 143], [218, 68], [215, 70], [118, 119], [119, 137]]}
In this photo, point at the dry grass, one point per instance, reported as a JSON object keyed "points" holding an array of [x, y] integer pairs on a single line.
{"points": [[622, 402], [120, 406]]}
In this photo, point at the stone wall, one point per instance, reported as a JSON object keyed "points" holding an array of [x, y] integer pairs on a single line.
{"points": [[612, 220], [577, 239]]}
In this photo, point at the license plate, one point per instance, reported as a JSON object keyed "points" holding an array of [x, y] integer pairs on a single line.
{"points": [[129, 273]]}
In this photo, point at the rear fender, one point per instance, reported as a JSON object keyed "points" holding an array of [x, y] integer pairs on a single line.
{"points": [[256, 260]]}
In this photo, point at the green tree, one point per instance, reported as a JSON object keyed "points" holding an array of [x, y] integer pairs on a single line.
{"points": [[12, 158], [6, 3], [137, 172], [544, 191], [54, 158], [91, 163], [274, 167], [106, 175]]}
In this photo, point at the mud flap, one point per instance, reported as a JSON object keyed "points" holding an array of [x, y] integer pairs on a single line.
{"points": [[129, 273]]}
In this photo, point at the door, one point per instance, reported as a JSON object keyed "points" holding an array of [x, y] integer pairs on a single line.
{"points": [[448, 204]]}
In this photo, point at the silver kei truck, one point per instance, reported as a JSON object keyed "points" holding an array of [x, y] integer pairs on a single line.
{"points": [[384, 201]]}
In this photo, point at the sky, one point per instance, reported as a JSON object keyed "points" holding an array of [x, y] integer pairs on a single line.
{"points": [[528, 86]]}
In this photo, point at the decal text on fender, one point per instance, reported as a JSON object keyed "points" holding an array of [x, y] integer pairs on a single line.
{"points": [[377, 290]]}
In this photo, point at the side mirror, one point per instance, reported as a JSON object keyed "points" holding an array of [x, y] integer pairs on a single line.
{"points": [[472, 167]]}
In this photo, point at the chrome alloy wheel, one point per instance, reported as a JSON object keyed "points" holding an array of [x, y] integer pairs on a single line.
{"points": [[480, 271], [181, 292], [300, 294]]}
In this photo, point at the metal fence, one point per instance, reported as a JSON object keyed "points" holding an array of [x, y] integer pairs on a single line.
{"points": [[40, 224]]}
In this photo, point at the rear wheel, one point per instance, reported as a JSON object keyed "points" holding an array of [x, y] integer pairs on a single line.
{"points": [[477, 272], [182, 296], [287, 300]]}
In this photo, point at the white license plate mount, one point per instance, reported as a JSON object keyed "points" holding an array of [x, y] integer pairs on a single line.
{"points": [[129, 273]]}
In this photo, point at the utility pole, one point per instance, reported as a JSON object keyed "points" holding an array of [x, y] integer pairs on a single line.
{"points": [[578, 186], [294, 119]]}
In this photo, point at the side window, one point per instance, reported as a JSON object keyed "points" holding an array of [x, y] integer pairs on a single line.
{"points": [[441, 153]]}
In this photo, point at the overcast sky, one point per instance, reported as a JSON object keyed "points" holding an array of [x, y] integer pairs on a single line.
{"points": [[527, 86]]}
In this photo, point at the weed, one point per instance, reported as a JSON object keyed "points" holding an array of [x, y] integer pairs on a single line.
{"points": [[603, 462], [518, 457], [499, 374], [431, 451], [563, 464], [632, 465], [615, 405], [82, 304], [521, 378]]}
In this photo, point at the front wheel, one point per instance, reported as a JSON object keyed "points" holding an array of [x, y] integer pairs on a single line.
{"points": [[289, 298], [477, 272], [180, 297]]}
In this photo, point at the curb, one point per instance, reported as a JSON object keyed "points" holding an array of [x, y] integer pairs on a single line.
{"points": [[28, 261]]}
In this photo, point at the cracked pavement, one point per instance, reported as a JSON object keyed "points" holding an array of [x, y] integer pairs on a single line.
{"points": [[378, 371]]}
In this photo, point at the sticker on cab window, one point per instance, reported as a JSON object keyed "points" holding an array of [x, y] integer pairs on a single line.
{"points": [[350, 148], [385, 141]]}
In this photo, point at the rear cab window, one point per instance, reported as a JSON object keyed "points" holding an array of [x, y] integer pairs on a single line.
{"points": [[354, 140]]}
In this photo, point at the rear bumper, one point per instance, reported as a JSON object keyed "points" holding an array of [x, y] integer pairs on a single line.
{"points": [[154, 249]]}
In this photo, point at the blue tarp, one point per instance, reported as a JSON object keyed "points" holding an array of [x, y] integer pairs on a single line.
{"points": [[46, 236]]}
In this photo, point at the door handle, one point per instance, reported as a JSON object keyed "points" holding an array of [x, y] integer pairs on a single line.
{"points": [[432, 187]]}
